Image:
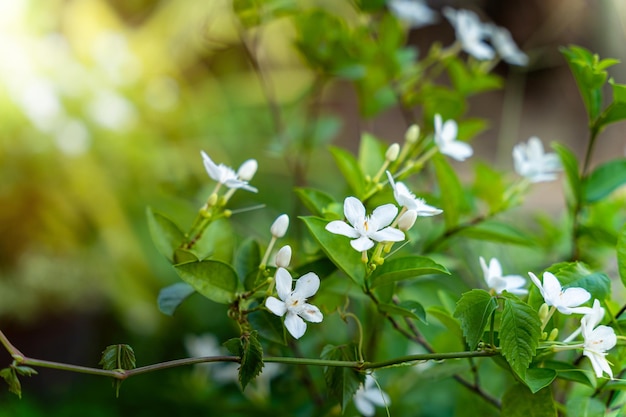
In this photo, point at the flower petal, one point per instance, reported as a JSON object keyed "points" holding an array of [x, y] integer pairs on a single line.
{"points": [[383, 216], [276, 306], [457, 150], [573, 297], [295, 325], [354, 210], [283, 283], [364, 406], [362, 243], [311, 313], [388, 234], [449, 131], [307, 285], [211, 168], [339, 227]]}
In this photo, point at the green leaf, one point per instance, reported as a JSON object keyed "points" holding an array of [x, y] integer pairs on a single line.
{"points": [[269, 326], [450, 323], [495, 231], [474, 310], [407, 267], [452, 196], [172, 296], [371, 154], [166, 235], [247, 261], [520, 329], [616, 111], [350, 169], [10, 376], [411, 309], [320, 204], [621, 254], [518, 401], [489, 185], [584, 406], [217, 242], [118, 357], [234, 346], [569, 372], [539, 378], [578, 274], [604, 180], [215, 280], [570, 165], [341, 382], [469, 81], [251, 358], [337, 248]]}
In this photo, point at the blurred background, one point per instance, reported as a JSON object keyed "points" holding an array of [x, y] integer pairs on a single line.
{"points": [[104, 108]]}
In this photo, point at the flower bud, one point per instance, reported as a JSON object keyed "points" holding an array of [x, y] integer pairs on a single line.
{"points": [[407, 220], [392, 152], [247, 170], [283, 257], [412, 134], [553, 335], [543, 312], [280, 225]]}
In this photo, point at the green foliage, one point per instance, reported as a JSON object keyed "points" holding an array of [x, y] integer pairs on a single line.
{"points": [[215, 280], [341, 382], [570, 165], [578, 274], [249, 349], [10, 376], [118, 357], [452, 194], [167, 237], [496, 231], [172, 296], [518, 401], [403, 268], [539, 378], [320, 204], [247, 261], [410, 309], [474, 310], [583, 406], [605, 179], [520, 329], [350, 169], [621, 255]]}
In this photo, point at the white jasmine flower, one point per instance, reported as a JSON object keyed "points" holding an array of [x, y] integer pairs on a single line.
{"points": [[283, 256], [597, 342], [280, 226], [498, 282], [366, 229], [369, 396], [505, 45], [414, 12], [591, 319], [226, 175], [293, 303], [406, 198], [470, 32], [531, 162], [445, 139], [566, 301]]}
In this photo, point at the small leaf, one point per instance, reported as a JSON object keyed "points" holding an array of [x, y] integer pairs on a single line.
{"points": [[520, 329], [539, 378], [411, 309], [247, 261], [584, 406], [621, 254], [269, 326], [166, 235], [118, 357], [578, 274], [10, 376], [251, 358], [569, 372], [474, 310], [215, 280], [217, 242], [341, 382], [25, 370], [320, 203], [337, 248], [172, 296], [234, 346], [518, 401], [350, 169], [570, 165], [604, 180], [371, 154], [494, 231], [408, 267], [453, 199]]}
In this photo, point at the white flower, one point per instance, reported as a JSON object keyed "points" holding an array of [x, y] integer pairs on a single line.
{"points": [[597, 342], [280, 226], [566, 301], [531, 162], [247, 170], [414, 12], [470, 32], [407, 220], [366, 229], [294, 302], [226, 175], [505, 45], [283, 256], [368, 396], [406, 198], [496, 281], [445, 138], [591, 319]]}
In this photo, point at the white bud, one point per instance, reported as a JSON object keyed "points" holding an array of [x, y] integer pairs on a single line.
{"points": [[392, 152], [407, 220], [283, 257], [280, 225], [412, 134], [247, 170]]}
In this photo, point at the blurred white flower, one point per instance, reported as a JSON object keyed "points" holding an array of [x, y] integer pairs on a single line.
{"points": [[72, 138], [597, 342], [207, 345], [470, 32], [566, 301], [111, 110], [505, 45], [533, 163], [414, 12], [592, 318], [498, 282], [405, 198], [369, 396], [224, 174], [445, 139], [293, 303], [364, 230], [280, 225]]}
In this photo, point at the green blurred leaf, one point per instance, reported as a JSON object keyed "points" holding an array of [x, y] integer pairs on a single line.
{"points": [[118, 357], [247, 261], [621, 254], [569, 372], [452, 198], [578, 274], [447, 320], [215, 280], [269, 326], [489, 185], [166, 235], [371, 154], [474, 310], [604, 180], [616, 111], [251, 358], [495, 231], [468, 80], [539, 378], [25, 370], [217, 242], [411, 309], [403, 268], [570, 164], [319, 203], [341, 382], [584, 406], [445, 101], [234, 346], [10, 376], [337, 248], [520, 329], [172, 296], [518, 401], [349, 167]]}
